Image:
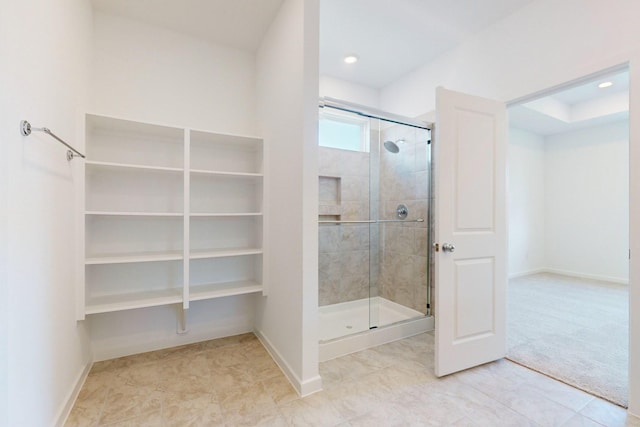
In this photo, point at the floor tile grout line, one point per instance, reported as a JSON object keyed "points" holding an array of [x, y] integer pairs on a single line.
{"points": [[581, 415], [593, 396], [577, 411], [494, 400]]}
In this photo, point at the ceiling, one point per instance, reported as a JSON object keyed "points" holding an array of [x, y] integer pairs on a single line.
{"points": [[240, 24], [579, 107], [395, 37], [391, 37]]}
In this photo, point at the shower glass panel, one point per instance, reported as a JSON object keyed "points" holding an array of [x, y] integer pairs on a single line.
{"points": [[344, 177], [373, 223], [399, 285]]}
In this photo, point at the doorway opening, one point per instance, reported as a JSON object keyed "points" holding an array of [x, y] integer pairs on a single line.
{"points": [[568, 204]]}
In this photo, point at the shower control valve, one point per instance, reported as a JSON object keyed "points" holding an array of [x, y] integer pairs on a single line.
{"points": [[402, 211]]}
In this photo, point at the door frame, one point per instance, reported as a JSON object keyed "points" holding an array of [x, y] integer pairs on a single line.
{"points": [[634, 209]]}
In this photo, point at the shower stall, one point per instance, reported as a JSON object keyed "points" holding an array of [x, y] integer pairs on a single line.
{"points": [[374, 226]]}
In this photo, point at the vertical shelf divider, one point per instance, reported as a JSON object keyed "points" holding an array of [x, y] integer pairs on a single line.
{"points": [[80, 179], [187, 218], [264, 168]]}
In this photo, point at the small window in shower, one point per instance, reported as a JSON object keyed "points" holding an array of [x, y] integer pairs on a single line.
{"points": [[343, 131]]}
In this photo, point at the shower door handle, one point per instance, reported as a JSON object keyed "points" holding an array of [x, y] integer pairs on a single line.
{"points": [[448, 247]]}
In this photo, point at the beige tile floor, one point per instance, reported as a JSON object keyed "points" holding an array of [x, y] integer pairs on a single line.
{"points": [[234, 382]]}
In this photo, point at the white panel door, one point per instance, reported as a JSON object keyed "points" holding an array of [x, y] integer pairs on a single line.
{"points": [[470, 231]]}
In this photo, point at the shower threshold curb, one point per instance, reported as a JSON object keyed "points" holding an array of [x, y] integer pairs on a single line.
{"points": [[361, 341]]}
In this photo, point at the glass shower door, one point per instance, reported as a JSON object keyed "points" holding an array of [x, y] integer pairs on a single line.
{"points": [[372, 256], [400, 197]]}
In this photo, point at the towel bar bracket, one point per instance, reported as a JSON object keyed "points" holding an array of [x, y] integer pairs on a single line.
{"points": [[25, 128]]}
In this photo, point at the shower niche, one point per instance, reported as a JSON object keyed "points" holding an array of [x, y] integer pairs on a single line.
{"points": [[330, 207], [374, 216]]}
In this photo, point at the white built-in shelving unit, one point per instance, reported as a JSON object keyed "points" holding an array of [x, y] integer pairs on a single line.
{"points": [[171, 215]]}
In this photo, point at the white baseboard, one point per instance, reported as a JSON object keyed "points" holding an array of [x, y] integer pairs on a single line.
{"points": [[527, 273], [310, 386], [64, 412], [610, 279], [304, 388], [620, 280], [374, 337]]}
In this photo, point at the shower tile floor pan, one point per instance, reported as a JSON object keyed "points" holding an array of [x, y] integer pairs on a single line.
{"points": [[339, 320]]}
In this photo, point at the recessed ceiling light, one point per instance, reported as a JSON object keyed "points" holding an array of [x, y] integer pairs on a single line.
{"points": [[605, 84], [351, 58]]}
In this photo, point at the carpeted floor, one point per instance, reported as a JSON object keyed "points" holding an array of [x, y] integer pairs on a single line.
{"points": [[574, 330]]}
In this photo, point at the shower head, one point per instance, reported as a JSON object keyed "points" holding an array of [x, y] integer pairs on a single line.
{"points": [[391, 147]]}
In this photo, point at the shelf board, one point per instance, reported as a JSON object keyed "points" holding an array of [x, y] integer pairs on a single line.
{"points": [[225, 215], [131, 258], [219, 290], [222, 253], [121, 213], [128, 301], [114, 165], [226, 174]]}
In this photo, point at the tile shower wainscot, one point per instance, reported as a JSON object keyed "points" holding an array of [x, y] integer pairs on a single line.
{"points": [[233, 381], [343, 250]]}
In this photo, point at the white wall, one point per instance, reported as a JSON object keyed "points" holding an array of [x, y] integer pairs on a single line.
{"points": [[150, 73], [4, 249], [44, 58], [544, 45], [347, 91], [587, 203], [526, 201], [634, 240], [137, 331], [4, 255], [568, 202], [288, 111]]}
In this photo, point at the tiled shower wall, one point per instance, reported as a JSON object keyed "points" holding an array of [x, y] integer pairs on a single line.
{"points": [[343, 249], [404, 178]]}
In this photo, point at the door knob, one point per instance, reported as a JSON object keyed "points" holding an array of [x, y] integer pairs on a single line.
{"points": [[448, 247]]}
